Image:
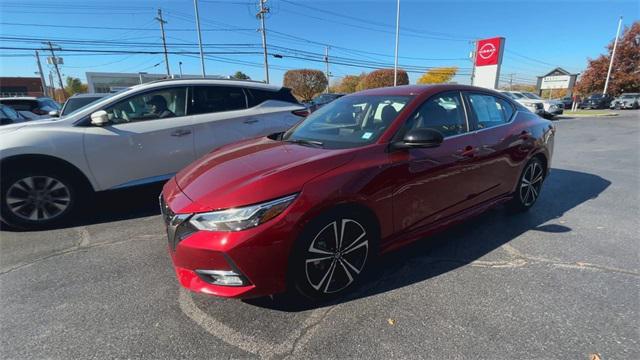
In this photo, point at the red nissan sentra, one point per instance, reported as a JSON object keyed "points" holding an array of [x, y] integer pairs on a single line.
{"points": [[307, 210]]}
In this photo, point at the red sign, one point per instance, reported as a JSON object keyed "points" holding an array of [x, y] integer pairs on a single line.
{"points": [[489, 51]]}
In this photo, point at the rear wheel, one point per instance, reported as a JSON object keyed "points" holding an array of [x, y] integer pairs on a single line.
{"points": [[36, 198], [333, 254], [529, 186]]}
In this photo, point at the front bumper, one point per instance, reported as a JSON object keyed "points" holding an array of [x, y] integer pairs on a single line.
{"points": [[259, 255]]}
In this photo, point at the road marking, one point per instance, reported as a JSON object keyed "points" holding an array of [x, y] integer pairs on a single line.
{"points": [[261, 347]]}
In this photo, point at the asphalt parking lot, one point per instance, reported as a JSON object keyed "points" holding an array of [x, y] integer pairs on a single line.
{"points": [[560, 282]]}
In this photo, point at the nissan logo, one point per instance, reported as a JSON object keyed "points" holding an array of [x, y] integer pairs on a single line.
{"points": [[487, 50]]}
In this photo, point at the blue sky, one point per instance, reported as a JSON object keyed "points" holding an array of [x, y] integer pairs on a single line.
{"points": [[539, 34]]}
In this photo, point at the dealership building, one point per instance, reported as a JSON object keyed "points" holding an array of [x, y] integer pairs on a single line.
{"points": [[107, 82]]}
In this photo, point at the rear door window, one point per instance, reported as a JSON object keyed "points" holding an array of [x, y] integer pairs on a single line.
{"points": [[490, 111], [213, 99], [257, 96]]}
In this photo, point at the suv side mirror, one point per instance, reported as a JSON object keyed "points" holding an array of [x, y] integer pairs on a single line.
{"points": [[420, 138], [99, 118], [54, 113]]}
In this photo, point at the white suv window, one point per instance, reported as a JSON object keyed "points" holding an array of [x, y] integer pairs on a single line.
{"points": [[159, 104]]}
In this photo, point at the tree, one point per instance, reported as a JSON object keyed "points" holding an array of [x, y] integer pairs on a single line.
{"points": [[349, 83], [74, 86], [381, 78], [305, 83], [438, 75], [240, 76], [625, 76]]}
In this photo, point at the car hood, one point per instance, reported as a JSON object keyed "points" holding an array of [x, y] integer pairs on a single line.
{"points": [[27, 123], [254, 171]]}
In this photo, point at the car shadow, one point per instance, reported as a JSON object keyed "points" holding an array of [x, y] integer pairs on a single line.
{"points": [[114, 205], [463, 244]]}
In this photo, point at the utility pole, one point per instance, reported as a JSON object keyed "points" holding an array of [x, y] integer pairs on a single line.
{"points": [[472, 56], [44, 83], [395, 64], [326, 62], [195, 6], [54, 60], [511, 81], [52, 85], [180, 66], [164, 40], [613, 54], [261, 15]]}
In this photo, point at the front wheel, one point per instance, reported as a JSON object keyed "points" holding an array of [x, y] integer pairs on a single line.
{"points": [[529, 186], [332, 254], [32, 199]]}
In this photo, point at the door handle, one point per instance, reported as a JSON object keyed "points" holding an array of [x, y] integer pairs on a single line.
{"points": [[468, 151], [250, 121], [181, 132]]}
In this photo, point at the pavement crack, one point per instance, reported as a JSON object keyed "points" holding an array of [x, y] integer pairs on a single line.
{"points": [[83, 245], [306, 333]]}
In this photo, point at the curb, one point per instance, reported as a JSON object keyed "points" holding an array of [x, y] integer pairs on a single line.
{"points": [[589, 115]]}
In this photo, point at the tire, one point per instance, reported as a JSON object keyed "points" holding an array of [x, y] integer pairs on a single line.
{"points": [[338, 264], [38, 198], [529, 186]]}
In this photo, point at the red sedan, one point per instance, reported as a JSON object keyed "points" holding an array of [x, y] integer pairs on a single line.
{"points": [[307, 210]]}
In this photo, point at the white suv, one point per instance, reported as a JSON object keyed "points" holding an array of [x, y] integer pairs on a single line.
{"points": [[140, 135], [536, 106]]}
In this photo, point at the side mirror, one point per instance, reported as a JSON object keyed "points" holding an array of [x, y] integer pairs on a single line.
{"points": [[420, 138], [99, 118], [54, 113]]}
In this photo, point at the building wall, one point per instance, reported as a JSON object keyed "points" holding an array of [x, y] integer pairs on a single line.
{"points": [[21, 86]]}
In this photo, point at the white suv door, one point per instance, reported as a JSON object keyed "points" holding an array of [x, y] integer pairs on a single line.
{"points": [[149, 139], [220, 116]]}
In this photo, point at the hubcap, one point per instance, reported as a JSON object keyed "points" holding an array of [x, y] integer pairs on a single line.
{"points": [[336, 256], [38, 198], [531, 183]]}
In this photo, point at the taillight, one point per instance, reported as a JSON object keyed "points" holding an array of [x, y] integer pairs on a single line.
{"points": [[302, 113]]}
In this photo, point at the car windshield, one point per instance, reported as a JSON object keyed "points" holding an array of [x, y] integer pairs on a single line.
{"points": [[349, 121], [74, 104], [515, 95], [531, 96], [596, 96], [629, 96]]}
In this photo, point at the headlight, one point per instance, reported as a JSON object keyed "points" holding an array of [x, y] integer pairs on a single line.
{"points": [[242, 218]]}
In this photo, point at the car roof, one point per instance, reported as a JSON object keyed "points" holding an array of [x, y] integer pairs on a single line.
{"points": [[227, 82], [19, 98], [406, 90], [96, 95]]}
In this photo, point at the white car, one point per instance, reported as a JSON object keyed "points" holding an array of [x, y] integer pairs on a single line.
{"points": [[551, 107], [536, 106], [140, 135]]}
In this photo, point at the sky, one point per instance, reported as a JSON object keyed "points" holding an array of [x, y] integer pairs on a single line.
{"points": [[108, 36]]}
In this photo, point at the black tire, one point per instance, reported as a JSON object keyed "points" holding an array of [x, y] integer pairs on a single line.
{"points": [[315, 280], [39, 198], [529, 186]]}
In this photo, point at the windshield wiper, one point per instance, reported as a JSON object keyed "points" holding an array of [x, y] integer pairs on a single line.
{"points": [[305, 142]]}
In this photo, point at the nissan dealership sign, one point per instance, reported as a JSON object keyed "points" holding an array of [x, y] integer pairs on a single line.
{"points": [[488, 59]]}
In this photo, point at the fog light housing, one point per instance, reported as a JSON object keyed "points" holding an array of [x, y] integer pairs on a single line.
{"points": [[222, 277]]}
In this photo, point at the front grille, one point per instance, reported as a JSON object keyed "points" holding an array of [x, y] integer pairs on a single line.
{"points": [[177, 225]]}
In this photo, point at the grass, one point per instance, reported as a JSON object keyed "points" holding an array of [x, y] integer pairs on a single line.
{"points": [[591, 112]]}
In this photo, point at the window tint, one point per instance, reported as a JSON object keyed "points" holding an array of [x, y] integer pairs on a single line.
{"points": [[442, 112], [21, 105], [490, 111], [157, 104], [257, 97], [213, 99]]}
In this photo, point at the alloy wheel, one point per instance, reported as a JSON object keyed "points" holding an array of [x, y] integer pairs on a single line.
{"points": [[336, 256], [531, 183], [38, 198]]}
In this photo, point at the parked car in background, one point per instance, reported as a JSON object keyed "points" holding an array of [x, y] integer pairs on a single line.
{"points": [[567, 102], [10, 116], [141, 135], [308, 209], [535, 106], [596, 101], [31, 107], [626, 101], [321, 100], [77, 101], [552, 108]]}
